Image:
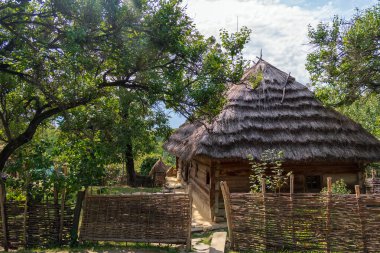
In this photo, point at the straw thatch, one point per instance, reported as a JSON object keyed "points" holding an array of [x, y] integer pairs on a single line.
{"points": [[279, 113], [158, 172], [159, 167]]}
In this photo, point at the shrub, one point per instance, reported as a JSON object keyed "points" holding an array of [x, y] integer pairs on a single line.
{"points": [[269, 167], [147, 165], [338, 187]]}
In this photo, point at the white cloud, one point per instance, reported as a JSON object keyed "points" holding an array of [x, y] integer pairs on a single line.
{"points": [[278, 29]]}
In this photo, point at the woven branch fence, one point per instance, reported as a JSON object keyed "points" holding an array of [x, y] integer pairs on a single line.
{"points": [[150, 218], [38, 224], [272, 222]]}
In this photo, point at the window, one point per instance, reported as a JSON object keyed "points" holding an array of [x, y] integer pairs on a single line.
{"points": [[313, 183], [208, 179]]}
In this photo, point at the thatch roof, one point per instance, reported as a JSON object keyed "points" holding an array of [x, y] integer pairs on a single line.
{"points": [[281, 114], [159, 166]]}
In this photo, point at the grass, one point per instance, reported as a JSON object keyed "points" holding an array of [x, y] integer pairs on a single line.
{"points": [[123, 189], [204, 236], [106, 247]]}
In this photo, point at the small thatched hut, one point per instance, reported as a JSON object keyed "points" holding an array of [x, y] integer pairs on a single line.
{"points": [[158, 173], [278, 113]]}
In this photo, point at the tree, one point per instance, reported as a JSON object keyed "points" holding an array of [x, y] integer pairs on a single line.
{"points": [[124, 124], [58, 55], [345, 63]]}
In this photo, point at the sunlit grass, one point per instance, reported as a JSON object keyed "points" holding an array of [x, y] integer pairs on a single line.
{"points": [[122, 190], [106, 247]]}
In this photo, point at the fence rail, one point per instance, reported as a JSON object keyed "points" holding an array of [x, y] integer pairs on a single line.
{"points": [[303, 222], [159, 218], [37, 224]]}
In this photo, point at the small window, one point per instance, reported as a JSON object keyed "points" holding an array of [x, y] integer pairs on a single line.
{"points": [[208, 179], [313, 183]]}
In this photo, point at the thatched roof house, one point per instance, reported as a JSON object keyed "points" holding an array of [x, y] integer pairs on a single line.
{"points": [[278, 113], [158, 172]]}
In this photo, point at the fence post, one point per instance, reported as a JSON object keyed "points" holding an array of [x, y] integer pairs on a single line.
{"points": [[328, 215], [62, 212], [362, 226], [188, 241], [263, 191], [76, 218], [263, 185], [227, 208], [4, 220], [291, 182]]}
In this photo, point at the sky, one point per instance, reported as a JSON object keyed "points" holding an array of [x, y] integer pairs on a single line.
{"points": [[279, 27]]}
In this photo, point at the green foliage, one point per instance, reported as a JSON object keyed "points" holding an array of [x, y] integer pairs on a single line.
{"points": [[268, 167], [147, 165], [344, 65], [255, 80], [338, 187], [234, 45], [59, 55], [366, 111]]}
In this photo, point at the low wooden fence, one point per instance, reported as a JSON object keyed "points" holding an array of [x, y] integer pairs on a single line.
{"points": [[303, 222], [38, 224], [150, 218]]}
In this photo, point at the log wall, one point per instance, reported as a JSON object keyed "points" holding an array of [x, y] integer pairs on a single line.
{"points": [[200, 178]]}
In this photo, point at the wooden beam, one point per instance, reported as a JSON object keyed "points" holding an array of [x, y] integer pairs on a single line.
{"points": [[227, 207]]}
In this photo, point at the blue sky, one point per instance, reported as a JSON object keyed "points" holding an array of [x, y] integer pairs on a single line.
{"points": [[279, 27]]}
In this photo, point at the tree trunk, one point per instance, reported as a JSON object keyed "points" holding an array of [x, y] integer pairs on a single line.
{"points": [[130, 165], [125, 103]]}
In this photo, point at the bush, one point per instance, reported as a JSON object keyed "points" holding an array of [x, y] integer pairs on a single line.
{"points": [[339, 187], [147, 165]]}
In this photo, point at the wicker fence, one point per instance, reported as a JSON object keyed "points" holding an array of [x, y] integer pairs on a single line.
{"points": [[37, 224], [303, 222], [373, 185], [151, 218]]}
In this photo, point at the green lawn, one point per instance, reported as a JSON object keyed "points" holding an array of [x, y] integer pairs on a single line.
{"points": [[122, 190], [107, 248]]}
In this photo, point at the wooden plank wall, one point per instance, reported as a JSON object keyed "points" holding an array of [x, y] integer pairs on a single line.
{"points": [[201, 190]]}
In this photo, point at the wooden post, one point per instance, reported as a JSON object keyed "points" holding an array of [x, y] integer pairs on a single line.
{"points": [[4, 220], [227, 208], [357, 193], [62, 212], [217, 191], [76, 219], [328, 215], [329, 185], [263, 191], [291, 179], [291, 182], [188, 241], [263, 185]]}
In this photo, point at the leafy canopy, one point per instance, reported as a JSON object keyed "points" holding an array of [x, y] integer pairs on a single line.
{"points": [[58, 55], [345, 62]]}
